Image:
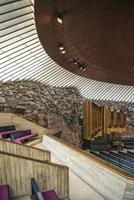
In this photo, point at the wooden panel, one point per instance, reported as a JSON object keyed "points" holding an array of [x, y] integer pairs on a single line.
{"points": [[18, 171], [22, 150]]}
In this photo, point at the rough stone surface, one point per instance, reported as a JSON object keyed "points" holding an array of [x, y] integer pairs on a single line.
{"points": [[53, 107]]}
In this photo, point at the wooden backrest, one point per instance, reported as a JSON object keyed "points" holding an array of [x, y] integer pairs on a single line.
{"points": [[7, 128], [23, 150], [17, 172], [20, 133]]}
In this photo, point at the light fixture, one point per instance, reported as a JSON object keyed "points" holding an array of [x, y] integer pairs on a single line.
{"points": [[75, 62], [63, 52], [59, 19], [80, 66], [61, 48], [84, 69]]}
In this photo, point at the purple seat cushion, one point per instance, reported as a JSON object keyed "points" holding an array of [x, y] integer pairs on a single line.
{"points": [[4, 192], [50, 195]]}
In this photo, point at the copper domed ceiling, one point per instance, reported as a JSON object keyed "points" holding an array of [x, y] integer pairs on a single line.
{"points": [[92, 38]]}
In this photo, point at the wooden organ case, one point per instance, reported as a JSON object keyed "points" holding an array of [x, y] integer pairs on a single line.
{"points": [[93, 120], [114, 122], [99, 121]]}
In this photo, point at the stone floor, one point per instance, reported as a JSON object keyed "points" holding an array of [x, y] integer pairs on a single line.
{"points": [[79, 190]]}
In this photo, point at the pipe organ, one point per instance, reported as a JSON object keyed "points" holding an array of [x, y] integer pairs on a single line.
{"points": [[98, 121], [93, 120], [114, 122]]}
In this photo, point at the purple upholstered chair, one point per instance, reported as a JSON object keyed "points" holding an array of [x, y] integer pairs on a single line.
{"points": [[50, 195], [4, 192]]}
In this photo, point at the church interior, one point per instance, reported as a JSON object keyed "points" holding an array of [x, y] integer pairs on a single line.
{"points": [[66, 100]]}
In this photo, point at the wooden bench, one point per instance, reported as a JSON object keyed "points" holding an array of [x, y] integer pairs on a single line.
{"points": [[20, 133], [7, 128], [20, 140], [14, 134]]}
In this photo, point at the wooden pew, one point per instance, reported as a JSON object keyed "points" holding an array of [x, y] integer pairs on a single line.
{"points": [[24, 138], [7, 128], [17, 172], [26, 151], [15, 133]]}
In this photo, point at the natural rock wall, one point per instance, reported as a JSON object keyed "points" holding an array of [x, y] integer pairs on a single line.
{"points": [[55, 108]]}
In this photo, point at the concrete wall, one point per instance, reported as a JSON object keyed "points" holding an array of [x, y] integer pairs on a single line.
{"points": [[111, 182]]}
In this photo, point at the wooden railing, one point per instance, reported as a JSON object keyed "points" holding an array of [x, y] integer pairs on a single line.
{"points": [[17, 171], [23, 150]]}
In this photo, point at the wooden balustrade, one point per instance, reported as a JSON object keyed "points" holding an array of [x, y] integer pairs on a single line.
{"points": [[17, 171], [23, 150]]}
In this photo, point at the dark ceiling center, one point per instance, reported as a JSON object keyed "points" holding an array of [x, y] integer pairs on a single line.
{"points": [[92, 38]]}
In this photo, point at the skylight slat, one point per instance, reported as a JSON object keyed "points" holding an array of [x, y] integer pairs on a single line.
{"points": [[10, 23], [15, 14], [16, 28], [14, 6]]}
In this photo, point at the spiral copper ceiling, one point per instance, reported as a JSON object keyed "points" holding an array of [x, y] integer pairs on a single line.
{"points": [[98, 34]]}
